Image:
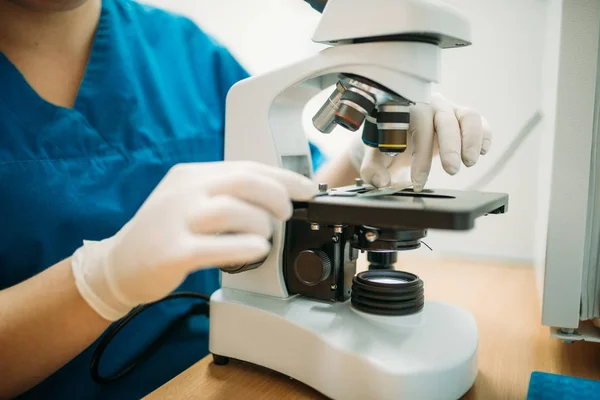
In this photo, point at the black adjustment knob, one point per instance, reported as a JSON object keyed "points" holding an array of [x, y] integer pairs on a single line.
{"points": [[312, 267]]}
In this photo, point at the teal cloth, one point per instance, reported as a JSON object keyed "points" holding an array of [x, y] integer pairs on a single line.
{"points": [[545, 386], [153, 95]]}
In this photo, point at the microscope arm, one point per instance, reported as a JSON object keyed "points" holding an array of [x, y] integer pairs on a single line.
{"points": [[271, 105]]}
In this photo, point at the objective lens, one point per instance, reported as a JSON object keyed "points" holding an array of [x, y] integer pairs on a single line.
{"points": [[355, 105], [393, 121], [324, 118], [370, 135]]}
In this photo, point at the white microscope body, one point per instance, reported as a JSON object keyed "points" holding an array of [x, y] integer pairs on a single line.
{"points": [[339, 351]]}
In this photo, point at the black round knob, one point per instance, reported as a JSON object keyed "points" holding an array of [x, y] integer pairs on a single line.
{"points": [[312, 267]]}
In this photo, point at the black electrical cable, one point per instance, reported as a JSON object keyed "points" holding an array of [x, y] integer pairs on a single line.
{"points": [[196, 309]]}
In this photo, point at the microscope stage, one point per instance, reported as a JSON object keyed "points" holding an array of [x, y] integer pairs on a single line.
{"points": [[403, 208]]}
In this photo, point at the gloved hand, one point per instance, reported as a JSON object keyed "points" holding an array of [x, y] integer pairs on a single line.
{"points": [[199, 216], [460, 132]]}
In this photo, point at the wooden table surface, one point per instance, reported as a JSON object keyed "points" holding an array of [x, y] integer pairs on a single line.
{"points": [[513, 343]]}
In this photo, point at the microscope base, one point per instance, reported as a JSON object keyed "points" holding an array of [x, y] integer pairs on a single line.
{"points": [[346, 354]]}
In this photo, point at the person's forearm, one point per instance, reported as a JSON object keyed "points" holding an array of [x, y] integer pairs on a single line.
{"points": [[337, 172], [44, 323]]}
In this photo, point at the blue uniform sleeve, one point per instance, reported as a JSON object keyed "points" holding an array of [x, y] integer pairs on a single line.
{"points": [[318, 158], [230, 71]]}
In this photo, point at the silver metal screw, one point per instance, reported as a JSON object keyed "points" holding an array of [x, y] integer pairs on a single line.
{"points": [[333, 286], [358, 181], [335, 239], [323, 187], [567, 331], [371, 236], [338, 228], [314, 227]]}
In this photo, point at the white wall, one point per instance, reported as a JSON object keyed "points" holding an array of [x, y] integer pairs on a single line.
{"points": [[499, 75]]}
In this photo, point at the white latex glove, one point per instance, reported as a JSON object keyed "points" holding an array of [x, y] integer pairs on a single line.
{"points": [[461, 133], [199, 216]]}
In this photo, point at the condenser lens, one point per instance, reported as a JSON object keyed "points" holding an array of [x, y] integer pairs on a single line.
{"points": [[387, 292], [388, 281]]}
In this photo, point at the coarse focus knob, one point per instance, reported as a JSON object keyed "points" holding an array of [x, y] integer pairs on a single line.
{"points": [[312, 267]]}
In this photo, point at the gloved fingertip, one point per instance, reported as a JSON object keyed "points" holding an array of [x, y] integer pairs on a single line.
{"points": [[376, 181], [289, 211], [307, 190], [255, 245], [485, 146], [470, 157], [451, 163], [417, 187], [419, 181], [380, 180]]}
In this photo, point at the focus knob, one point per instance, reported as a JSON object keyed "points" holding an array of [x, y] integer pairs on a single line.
{"points": [[312, 267]]}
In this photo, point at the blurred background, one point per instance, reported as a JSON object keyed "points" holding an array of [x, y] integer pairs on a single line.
{"points": [[502, 75]]}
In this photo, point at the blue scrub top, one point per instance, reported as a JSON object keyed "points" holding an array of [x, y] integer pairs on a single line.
{"points": [[153, 95]]}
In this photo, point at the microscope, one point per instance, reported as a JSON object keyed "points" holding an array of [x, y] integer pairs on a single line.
{"points": [[304, 311]]}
